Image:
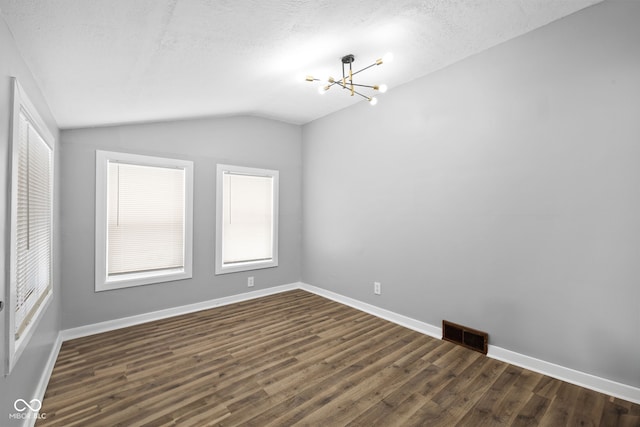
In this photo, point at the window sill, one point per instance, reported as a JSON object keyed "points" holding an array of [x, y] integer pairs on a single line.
{"points": [[245, 266], [140, 279]]}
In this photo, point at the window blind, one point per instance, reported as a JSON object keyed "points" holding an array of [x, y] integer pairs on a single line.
{"points": [[34, 222], [247, 218], [145, 218]]}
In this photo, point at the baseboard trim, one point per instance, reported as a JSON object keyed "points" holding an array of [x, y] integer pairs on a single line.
{"points": [[110, 325], [579, 378], [41, 387], [582, 379], [391, 316]]}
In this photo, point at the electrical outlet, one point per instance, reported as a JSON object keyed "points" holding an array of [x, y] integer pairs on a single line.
{"points": [[250, 281], [376, 288]]}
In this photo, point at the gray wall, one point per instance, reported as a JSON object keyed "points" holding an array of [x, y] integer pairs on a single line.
{"points": [[501, 192], [245, 141], [24, 378]]}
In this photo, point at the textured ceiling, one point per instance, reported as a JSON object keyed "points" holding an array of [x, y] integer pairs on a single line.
{"points": [[102, 62]]}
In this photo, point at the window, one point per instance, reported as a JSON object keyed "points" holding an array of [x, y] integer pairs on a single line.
{"points": [[144, 215], [30, 264], [246, 219]]}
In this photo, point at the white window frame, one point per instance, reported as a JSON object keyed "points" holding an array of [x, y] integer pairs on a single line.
{"points": [[15, 346], [251, 265], [102, 281]]}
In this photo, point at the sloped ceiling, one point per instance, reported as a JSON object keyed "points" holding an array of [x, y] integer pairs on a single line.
{"points": [[101, 62]]}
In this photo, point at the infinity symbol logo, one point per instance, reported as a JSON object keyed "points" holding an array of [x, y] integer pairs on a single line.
{"points": [[21, 405]]}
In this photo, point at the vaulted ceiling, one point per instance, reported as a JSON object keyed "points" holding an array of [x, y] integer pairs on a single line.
{"points": [[101, 62]]}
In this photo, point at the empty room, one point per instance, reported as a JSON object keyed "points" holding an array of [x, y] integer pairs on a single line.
{"points": [[329, 213]]}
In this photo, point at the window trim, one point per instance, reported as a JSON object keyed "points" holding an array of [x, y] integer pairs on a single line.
{"points": [[15, 347], [253, 265], [102, 281]]}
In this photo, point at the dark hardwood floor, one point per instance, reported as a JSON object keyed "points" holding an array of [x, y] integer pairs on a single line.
{"points": [[297, 358]]}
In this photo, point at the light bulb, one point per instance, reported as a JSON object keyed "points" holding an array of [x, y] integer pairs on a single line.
{"points": [[388, 57], [373, 100], [382, 88], [323, 89]]}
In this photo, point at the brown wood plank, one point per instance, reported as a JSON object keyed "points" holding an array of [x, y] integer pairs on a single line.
{"points": [[299, 359], [562, 405], [433, 415], [515, 397], [365, 393], [532, 412], [485, 411], [588, 409]]}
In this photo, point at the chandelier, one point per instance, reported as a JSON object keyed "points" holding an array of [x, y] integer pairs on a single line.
{"points": [[347, 82]]}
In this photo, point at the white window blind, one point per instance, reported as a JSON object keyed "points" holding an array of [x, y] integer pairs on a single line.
{"points": [[33, 222], [247, 218], [146, 218]]}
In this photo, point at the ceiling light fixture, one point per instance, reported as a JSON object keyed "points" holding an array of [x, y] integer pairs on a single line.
{"points": [[347, 78]]}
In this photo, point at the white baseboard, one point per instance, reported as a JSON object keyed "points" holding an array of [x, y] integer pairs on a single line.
{"points": [[41, 387], [582, 379], [110, 325], [407, 322]]}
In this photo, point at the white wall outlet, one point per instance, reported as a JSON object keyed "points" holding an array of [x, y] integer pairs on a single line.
{"points": [[250, 281], [376, 288]]}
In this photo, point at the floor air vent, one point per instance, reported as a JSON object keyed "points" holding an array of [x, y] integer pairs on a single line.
{"points": [[466, 337]]}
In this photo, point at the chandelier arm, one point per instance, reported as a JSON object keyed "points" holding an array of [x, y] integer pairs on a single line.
{"points": [[339, 83], [343, 86], [371, 87], [364, 96], [365, 68], [348, 87], [351, 79]]}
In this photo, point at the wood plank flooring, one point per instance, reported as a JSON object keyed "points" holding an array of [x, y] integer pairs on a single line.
{"points": [[299, 359]]}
